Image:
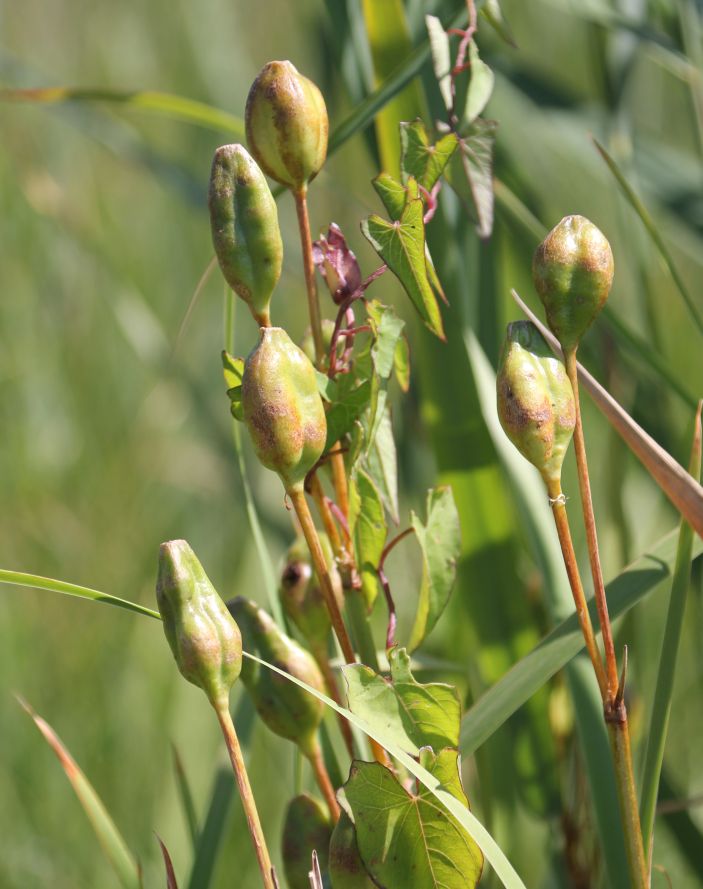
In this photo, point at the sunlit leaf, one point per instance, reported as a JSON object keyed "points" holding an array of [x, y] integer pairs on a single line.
{"points": [[392, 193], [402, 363], [405, 839], [350, 402], [382, 465], [401, 245], [234, 372], [420, 158], [440, 542], [480, 86], [441, 58], [369, 530]]}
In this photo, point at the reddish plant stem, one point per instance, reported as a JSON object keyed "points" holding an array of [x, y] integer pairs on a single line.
{"points": [[385, 585], [611, 663], [246, 795], [323, 781]]}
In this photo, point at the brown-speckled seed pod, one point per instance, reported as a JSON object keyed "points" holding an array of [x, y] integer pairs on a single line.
{"points": [[282, 407], [286, 708], [287, 126], [573, 273], [535, 400], [245, 233]]}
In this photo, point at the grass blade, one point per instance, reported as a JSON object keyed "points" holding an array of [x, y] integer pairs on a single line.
{"points": [[186, 796], [661, 706], [493, 853], [684, 491], [171, 882], [652, 231], [113, 845], [19, 578], [167, 104], [563, 643]]}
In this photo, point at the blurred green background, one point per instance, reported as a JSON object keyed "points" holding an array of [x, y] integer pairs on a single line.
{"points": [[114, 439]]}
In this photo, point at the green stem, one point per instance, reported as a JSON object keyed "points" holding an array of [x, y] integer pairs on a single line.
{"points": [[301, 208], [246, 795], [661, 707]]}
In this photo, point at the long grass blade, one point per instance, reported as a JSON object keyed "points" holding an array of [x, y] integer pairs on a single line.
{"points": [[684, 491], [652, 231], [19, 578], [167, 104], [563, 643], [661, 706], [186, 796], [113, 845]]}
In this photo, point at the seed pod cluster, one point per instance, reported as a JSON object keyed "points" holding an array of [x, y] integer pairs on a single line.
{"points": [[572, 271], [287, 709], [282, 407], [286, 124], [535, 400], [204, 638], [245, 232]]}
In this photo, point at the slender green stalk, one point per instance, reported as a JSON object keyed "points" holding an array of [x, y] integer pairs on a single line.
{"points": [[619, 736], [247, 796], [661, 707]]}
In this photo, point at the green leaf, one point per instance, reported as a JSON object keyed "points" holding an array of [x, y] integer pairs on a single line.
{"points": [[493, 14], [381, 463], [111, 841], [661, 706], [653, 232], [368, 525], [167, 104], [401, 245], [419, 158], [406, 839], [393, 194], [477, 162], [234, 371], [440, 542], [19, 578], [401, 361], [444, 795], [564, 642], [352, 401], [387, 328], [412, 714], [185, 795], [441, 58], [480, 86]]}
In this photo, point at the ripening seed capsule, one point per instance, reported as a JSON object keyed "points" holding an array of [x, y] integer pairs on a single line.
{"points": [[306, 827], [203, 636], [286, 124], [282, 407], [535, 400], [286, 708], [245, 232], [572, 271]]}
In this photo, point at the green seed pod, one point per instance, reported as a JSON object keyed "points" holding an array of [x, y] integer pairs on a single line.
{"points": [[535, 399], [203, 636], [346, 868], [301, 597], [282, 407], [287, 126], [573, 271], [306, 827], [287, 709], [245, 233]]}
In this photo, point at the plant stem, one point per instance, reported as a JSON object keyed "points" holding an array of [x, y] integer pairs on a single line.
{"points": [[302, 510], [246, 794], [619, 735], [561, 520], [301, 207], [326, 515], [323, 781], [611, 664], [661, 706]]}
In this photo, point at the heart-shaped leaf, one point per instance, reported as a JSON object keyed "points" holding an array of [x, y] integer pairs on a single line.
{"points": [[419, 157]]}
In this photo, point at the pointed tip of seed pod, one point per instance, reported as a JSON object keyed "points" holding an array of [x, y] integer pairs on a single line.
{"points": [[573, 272]]}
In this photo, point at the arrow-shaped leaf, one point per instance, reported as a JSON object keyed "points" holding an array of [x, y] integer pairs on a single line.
{"points": [[401, 245], [419, 157]]}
